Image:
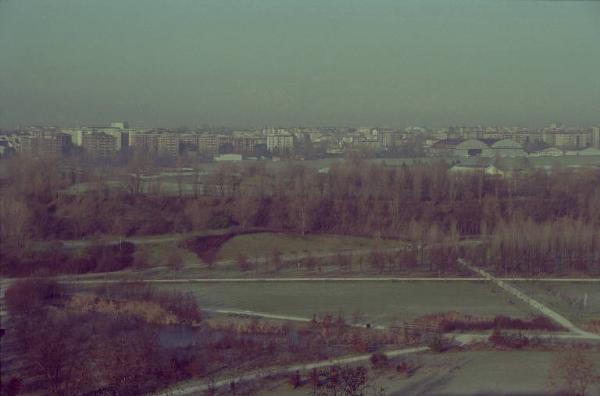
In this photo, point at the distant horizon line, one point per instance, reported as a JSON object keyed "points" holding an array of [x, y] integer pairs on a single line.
{"points": [[248, 127]]}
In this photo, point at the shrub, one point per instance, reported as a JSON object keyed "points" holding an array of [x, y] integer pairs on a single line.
{"points": [[379, 360], [402, 367], [182, 305], [243, 262], [109, 258], [295, 380], [346, 380], [12, 387], [309, 262], [221, 220], [572, 371], [277, 260], [438, 343], [29, 295], [377, 260], [454, 321], [511, 341], [406, 368]]}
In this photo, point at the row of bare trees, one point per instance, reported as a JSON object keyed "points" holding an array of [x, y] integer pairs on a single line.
{"points": [[552, 247], [421, 202]]}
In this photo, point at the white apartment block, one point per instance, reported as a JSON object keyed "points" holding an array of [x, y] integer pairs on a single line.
{"points": [[280, 142]]}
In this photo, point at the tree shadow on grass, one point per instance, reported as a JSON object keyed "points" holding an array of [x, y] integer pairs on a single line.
{"points": [[426, 386], [431, 383]]}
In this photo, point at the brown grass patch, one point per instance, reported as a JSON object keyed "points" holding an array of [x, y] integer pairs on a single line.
{"points": [[147, 311]]}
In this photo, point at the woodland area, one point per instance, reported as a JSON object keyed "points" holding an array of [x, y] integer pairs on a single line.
{"points": [[71, 343], [533, 221]]}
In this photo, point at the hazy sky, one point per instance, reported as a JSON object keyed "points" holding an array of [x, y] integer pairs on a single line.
{"points": [[304, 62]]}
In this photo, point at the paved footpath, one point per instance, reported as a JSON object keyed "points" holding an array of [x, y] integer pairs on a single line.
{"points": [[461, 338], [555, 316], [244, 312], [83, 280], [194, 389]]}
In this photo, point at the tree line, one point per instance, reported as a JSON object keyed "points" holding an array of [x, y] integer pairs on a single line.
{"points": [[420, 201]]}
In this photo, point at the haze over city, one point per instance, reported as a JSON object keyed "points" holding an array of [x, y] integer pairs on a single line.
{"points": [[316, 63]]}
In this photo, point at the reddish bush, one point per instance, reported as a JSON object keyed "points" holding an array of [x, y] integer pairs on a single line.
{"points": [[438, 343], [243, 262], [295, 380], [379, 360], [28, 295], [453, 321], [12, 387], [511, 341], [405, 368]]}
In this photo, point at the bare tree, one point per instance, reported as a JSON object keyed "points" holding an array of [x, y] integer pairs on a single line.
{"points": [[14, 227]]}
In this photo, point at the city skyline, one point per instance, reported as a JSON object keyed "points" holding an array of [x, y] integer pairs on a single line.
{"points": [[253, 63]]}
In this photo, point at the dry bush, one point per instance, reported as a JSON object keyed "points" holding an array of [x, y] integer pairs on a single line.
{"points": [[508, 341], [25, 296], [243, 262], [592, 326], [406, 368], [379, 360], [572, 372], [454, 321], [147, 311]]}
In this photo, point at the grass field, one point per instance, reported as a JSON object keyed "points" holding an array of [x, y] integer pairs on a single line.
{"points": [[263, 244], [523, 373], [158, 249], [567, 298], [377, 302]]}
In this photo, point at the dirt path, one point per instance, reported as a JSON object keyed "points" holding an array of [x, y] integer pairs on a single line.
{"points": [[80, 243], [240, 312]]}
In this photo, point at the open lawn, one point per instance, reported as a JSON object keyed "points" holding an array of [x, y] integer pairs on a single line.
{"points": [[377, 302], [491, 373], [263, 244], [258, 248], [567, 298]]}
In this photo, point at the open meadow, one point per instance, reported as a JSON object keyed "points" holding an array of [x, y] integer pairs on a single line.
{"points": [[379, 303], [579, 301], [257, 248], [263, 244]]}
